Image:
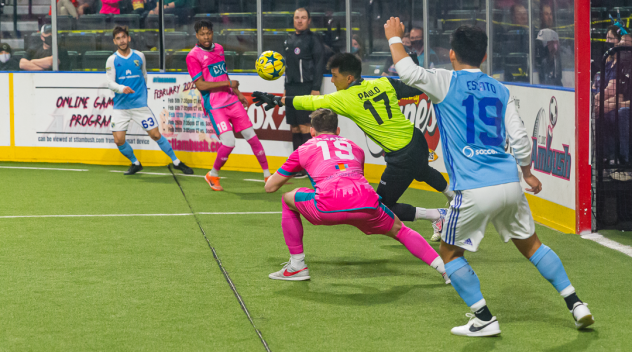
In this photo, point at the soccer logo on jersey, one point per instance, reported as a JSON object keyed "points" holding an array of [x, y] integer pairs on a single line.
{"points": [[128, 72], [217, 69], [297, 50], [137, 63], [112, 124], [342, 167]]}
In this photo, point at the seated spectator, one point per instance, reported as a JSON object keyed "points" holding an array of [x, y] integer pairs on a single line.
{"points": [[417, 43], [66, 8], [548, 57], [110, 7], [389, 67], [40, 58], [143, 7], [7, 61], [86, 7], [179, 8], [357, 48]]}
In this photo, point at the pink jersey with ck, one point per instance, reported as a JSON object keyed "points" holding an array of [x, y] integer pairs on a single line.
{"points": [[336, 167], [210, 65]]}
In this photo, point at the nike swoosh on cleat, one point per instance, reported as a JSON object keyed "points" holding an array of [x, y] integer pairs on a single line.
{"points": [[475, 329], [287, 273]]}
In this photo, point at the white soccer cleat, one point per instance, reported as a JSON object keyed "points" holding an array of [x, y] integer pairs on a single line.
{"points": [[437, 225], [289, 273], [582, 315], [477, 328]]}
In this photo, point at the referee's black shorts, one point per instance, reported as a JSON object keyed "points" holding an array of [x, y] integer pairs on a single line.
{"points": [[298, 117], [405, 165]]}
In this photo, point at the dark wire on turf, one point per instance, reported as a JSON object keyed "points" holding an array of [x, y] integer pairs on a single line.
{"points": [[219, 263]]}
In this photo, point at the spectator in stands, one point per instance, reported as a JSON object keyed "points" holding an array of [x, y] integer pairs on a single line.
{"points": [[389, 67], [143, 8], [417, 43], [357, 47], [110, 7], [618, 98], [548, 57], [86, 7], [546, 15], [519, 15], [175, 7], [7, 61], [304, 56], [40, 58], [66, 7]]}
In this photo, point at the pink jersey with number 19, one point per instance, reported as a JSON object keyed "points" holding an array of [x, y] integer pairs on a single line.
{"points": [[210, 65], [336, 168]]}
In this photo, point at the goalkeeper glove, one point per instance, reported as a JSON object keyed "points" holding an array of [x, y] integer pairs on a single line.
{"points": [[270, 100]]}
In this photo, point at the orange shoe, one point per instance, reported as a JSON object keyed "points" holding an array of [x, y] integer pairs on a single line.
{"points": [[265, 180], [213, 182]]}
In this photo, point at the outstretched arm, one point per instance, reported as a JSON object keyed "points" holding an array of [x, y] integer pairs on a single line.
{"points": [[284, 173], [275, 182]]}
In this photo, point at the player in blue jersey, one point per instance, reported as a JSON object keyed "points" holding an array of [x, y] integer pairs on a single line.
{"points": [[475, 113], [127, 77]]}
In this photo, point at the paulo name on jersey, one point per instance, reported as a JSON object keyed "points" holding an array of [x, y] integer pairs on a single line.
{"points": [[475, 114], [211, 66], [335, 166], [130, 72], [372, 105]]}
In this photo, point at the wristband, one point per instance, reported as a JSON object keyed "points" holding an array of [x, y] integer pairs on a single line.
{"points": [[395, 40]]}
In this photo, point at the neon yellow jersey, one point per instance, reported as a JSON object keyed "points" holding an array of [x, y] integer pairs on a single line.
{"points": [[373, 106]]}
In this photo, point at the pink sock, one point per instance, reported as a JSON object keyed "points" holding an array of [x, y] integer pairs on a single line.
{"points": [[222, 155], [416, 244], [257, 148], [292, 229]]}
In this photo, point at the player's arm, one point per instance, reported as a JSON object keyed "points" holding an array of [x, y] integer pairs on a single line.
{"points": [[519, 140], [284, 173], [304, 102], [110, 73], [402, 90], [144, 67], [435, 83]]}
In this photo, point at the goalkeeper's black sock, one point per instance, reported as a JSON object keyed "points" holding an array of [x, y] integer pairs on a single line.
{"points": [[306, 137], [297, 140]]}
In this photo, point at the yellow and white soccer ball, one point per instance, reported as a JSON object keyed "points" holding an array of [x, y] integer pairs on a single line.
{"points": [[270, 65]]}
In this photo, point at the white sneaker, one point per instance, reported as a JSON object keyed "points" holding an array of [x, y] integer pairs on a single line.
{"points": [[582, 315], [290, 274], [476, 327], [437, 225]]}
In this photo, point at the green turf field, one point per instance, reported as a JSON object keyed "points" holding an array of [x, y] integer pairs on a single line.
{"points": [[131, 283]]}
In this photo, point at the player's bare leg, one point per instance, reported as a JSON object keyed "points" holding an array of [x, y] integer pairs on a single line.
{"points": [[126, 149], [551, 268], [295, 269], [418, 246], [467, 285], [164, 145]]}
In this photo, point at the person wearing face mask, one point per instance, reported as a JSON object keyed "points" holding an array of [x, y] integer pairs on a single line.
{"points": [[40, 58], [417, 44], [550, 62], [7, 61], [356, 47], [305, 63], [389, 67]]}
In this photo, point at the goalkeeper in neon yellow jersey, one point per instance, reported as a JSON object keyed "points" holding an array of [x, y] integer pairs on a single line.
{"points": [[373, 106]]}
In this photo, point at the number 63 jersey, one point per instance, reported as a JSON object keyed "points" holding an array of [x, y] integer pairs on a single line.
{"points": [[335, 166], [475, 114]]}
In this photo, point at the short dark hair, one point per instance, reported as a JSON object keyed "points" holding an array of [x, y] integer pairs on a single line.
{"points": [[203, 24], [469, 44], [120, 29], [346, 63], [615, 31], [309, 15], [324, 120]]}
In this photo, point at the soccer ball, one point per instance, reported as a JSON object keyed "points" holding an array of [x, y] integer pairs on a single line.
{"points": [[270, 65]]}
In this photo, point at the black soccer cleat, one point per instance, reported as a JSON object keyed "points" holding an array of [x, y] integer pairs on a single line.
{"points": [[133, 169], [185, 169], [300, 174]]}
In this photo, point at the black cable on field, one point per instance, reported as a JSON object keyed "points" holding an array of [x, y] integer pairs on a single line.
{"points": [[219, 263]]}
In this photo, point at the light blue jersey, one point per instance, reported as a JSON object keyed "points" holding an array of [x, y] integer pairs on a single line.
{"points": [[471, 120], [476, 115], [127, 72]]}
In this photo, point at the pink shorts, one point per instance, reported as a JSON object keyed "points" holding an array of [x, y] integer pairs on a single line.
{"points": [[233, 114], [370, 221]]}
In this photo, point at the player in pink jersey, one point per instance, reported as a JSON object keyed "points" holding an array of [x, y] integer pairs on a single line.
{"points": [[221, 100], [341, 195]]}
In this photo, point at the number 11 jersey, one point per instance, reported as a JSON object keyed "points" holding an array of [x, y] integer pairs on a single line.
{"points": [[335, 166]]}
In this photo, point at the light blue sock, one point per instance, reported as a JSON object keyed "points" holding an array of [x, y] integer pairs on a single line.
{"points": [[164, 144], [127, 150], [550, 266], [464, 281]]}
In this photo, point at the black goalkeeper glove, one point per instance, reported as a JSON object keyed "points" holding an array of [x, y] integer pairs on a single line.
{"points": [[270, 100]]}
